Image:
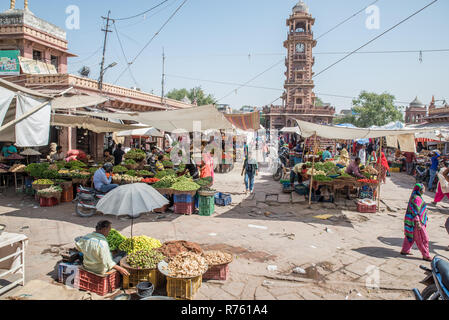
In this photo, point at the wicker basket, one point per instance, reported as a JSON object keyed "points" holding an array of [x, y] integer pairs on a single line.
{"points": [[132, 166], [206, 193], [66, 185], [192, 193], [38, 187], [166, 191], [56, 195], [140, 275]]}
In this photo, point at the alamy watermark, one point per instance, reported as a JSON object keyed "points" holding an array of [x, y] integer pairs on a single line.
{"points": [[373, 20], [72, 21]]}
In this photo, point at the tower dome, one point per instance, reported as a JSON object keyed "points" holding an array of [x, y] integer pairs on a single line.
{"points": [[416, 103], [300, 7]]}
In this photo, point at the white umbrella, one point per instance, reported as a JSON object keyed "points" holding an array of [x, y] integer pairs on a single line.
{"points": [[30, 152], [131, 200]]}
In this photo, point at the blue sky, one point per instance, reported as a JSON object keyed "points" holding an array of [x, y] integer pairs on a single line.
{"points": [[211, 40]]}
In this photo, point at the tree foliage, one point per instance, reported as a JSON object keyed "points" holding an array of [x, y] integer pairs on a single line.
{"points": [[371, 109], [201, 97], [319, 102]]}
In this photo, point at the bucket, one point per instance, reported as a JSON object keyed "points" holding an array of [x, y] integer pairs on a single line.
{"points": [[145, 289]]}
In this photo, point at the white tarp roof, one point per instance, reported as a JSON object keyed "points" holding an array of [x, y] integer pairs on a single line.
{"points": [[208, 116], [143, 132], [291, 130], [308, 129], [77, 101], [92, 124]]}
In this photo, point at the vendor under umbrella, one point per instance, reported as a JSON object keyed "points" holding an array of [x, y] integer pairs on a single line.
{"points": [[97, 257]]}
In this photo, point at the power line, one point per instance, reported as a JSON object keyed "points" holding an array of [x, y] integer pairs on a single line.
{"points": [[252, 79], [141, 14], [375, 38], [124, 55], [151, 40], [346, 20]]}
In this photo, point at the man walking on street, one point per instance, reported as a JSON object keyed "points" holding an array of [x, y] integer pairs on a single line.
{"points": [[409, 159], [433, 169]]}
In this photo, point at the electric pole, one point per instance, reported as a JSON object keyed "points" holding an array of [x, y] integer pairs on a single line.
{"points": [[163, 76], [106, 32]]}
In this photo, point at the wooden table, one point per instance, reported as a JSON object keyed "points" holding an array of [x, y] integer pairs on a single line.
{"points": [[12, 257]]}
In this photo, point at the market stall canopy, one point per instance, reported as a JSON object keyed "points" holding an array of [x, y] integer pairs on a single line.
{"points": [[143, 132], [309, 129], [131, 200], [77, 101], [89, 123], [208, 116], [291, 130], [245, 121]]}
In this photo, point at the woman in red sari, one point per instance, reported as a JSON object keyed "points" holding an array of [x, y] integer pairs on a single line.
{"points": [[384, 167]]}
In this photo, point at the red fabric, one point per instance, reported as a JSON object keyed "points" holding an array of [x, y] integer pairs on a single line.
{"points": [[383, 161], [76, 155]]}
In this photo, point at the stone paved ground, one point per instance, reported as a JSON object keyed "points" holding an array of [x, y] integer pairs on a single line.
{"points": [[339, 255]]}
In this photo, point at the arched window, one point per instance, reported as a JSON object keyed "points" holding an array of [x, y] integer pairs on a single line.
{"points": [[300, 48]]}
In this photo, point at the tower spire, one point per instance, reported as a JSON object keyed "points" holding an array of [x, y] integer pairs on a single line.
{"points": [[13, 4], [25, 5]]}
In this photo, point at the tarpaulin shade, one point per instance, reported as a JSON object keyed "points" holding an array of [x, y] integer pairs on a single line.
{"points": [[246, 121], [144, 132], [204, 118], [92, 124], [291, 130], [309, 129], [77, 101]]}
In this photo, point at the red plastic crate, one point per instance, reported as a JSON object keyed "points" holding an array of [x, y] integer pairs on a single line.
{"points": [[100, 285], [48, 202], [217, 272], [184, 208], [363, 208]]}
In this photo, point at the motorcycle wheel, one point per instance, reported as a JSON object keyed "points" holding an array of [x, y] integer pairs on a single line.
{"points": [[84, 212], [430, 293], [278, 175]]}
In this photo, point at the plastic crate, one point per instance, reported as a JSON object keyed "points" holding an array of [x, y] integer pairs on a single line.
{"points": [[206, 205], [183, 289], [65, 270], [143, 275], [186, 198], [100, 285], [67, 195], [363, 208], [395, 169], [217, 272], [184, 208], [222, 199], [48, 202]]}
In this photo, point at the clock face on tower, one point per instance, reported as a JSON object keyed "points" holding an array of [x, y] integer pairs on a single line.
{"points": [[300, 48]]}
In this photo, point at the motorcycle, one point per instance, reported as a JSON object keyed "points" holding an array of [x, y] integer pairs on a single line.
{"points": [[281, 165], [437, 281], [86, 201]]}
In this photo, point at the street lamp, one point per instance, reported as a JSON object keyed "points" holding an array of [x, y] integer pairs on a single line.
{"points": [[102, 72]]}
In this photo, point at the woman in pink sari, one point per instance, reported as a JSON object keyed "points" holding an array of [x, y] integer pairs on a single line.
{"points": [[415, 223], [442, 188]]}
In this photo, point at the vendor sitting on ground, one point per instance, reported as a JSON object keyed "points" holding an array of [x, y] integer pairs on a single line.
{"points": [[299, 172], [159, 164], [102, 182], [354, 169], [97, 257]]}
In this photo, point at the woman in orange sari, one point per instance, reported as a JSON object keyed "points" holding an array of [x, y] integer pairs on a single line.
{"points": [[384, 167]]}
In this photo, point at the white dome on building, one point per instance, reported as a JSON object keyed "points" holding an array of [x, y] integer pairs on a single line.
{"points": [[301, 7]]}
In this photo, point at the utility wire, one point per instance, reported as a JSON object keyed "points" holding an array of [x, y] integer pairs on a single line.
{"points": [[375, 38], [124, 55], [151, 40], [252, 79], [141, 14], [346, 20]]}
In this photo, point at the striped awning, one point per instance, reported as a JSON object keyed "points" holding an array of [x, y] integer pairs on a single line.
{"points": [[245, 121], [422, 140]]}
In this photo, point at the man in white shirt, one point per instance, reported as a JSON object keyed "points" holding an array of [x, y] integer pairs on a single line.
{"points": [[362, 155]]}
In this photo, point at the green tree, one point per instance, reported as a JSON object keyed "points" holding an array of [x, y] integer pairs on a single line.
{"points": [[201, 97], [372, 109], [319, 102]]}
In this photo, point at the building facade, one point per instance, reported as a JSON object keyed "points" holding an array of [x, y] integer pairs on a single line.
{"points": [[416, 112], [438, 113], [41, 43], [298, 98]]}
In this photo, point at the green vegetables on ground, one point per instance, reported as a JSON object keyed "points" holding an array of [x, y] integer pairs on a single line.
{"points": [[168, 172], [165, 182], [130, 162], [144, 259], [131, 173], [139, 243], [322, 178], [204, 181], [115, 239], [119, 169], [144, 173], [185, 184]]}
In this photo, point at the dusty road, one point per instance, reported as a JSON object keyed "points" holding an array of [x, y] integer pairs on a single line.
{"points": [[340, 254]]}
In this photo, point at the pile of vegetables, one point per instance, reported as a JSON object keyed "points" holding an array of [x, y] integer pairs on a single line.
{"points": [[165, 182], [36, 169], [187, 264], [136, 155], [115, 239], [119, 169], [204, 181], [150, 180], [139, 243], [80, 175], [75, 164], [43, 181], [216, 258], [167, 164], [49, 191], [142, 173], [370, 181], [168, 172], [322, 178], [185, 184], [17, 168], [144, 259], [131, 173], [117, 178], [129, 162], [345, 175]]}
